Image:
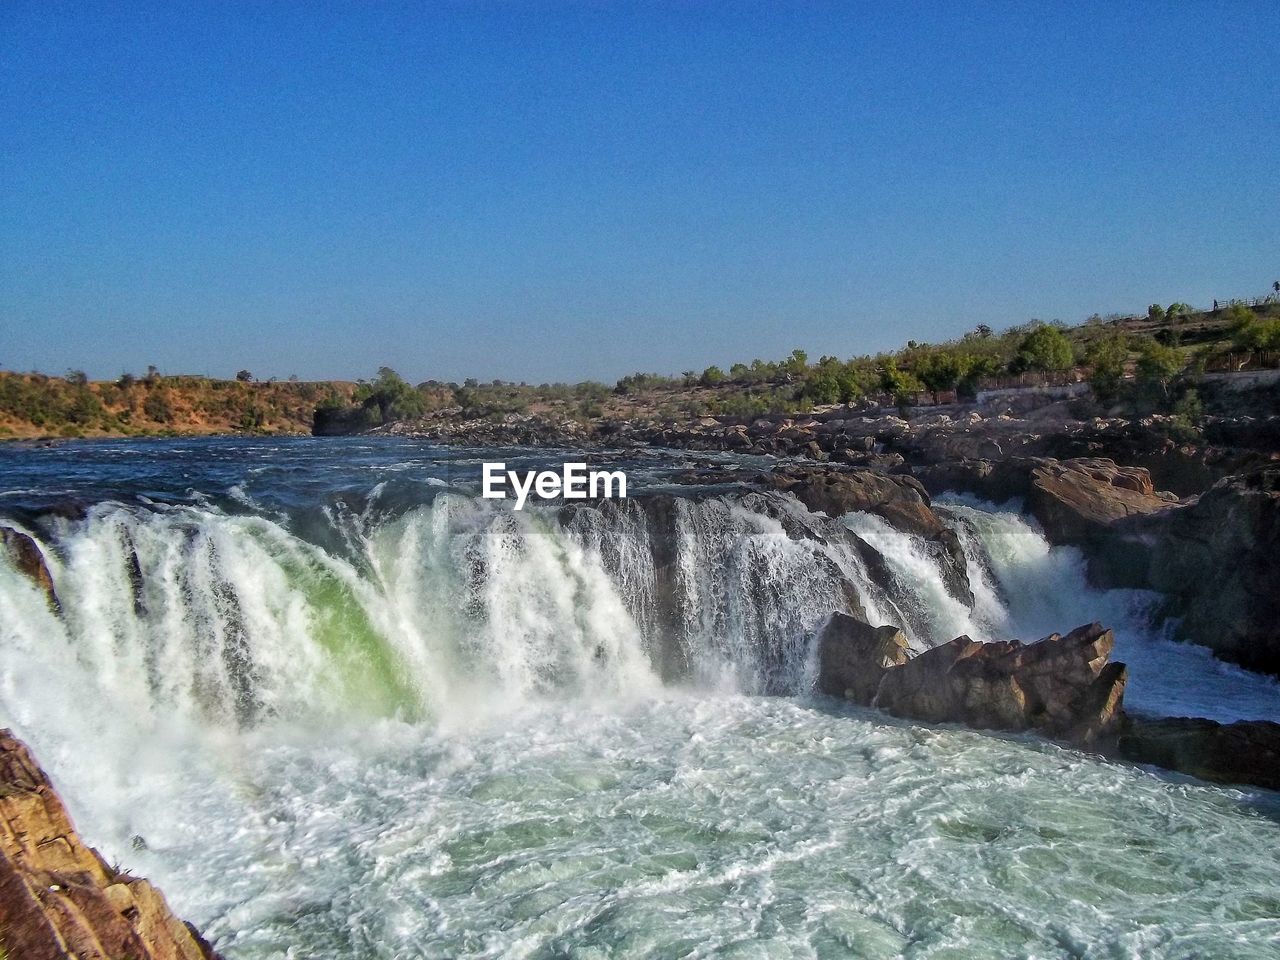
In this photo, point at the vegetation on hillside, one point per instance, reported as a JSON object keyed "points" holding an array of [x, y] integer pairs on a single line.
{"points": [[37, 405], [1133, 364]]}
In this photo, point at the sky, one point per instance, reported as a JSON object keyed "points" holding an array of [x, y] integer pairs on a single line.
{"points": [[559, 191]]}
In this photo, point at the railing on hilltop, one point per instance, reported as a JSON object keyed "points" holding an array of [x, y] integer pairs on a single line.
{"points": [[1245, 302]]}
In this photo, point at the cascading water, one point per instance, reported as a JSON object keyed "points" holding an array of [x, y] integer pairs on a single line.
{"points": [[414, 724], [1025, 588]]}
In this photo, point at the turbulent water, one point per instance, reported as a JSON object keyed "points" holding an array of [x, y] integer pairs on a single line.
{"points": [[338, 707]]}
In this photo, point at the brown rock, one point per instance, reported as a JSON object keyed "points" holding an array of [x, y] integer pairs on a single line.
{"points": [[1216, 563], [853, 656], [58, 897], [26, 556], [1060, 686], [1077, 501]]}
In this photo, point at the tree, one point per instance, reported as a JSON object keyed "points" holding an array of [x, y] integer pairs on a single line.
{"points": [[831, 381], [976, 369], [1045, 348], [244, 376], [1107, 358], [157, 406], [940, 371], [77, 378], [796, 364], [1155, 312], [821, 386], [393, 398], [1257, 337], [1276, 286], [711, 376], [1157, 366], [1238, 315], [903, 386]]}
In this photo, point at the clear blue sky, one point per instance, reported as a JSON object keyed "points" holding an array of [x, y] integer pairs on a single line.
{"points": [[549, 191]]}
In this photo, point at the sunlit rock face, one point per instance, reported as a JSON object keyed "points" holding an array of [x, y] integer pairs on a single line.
{"points": [[58, 897]]}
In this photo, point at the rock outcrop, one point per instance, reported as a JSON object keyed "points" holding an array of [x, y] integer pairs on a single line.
{"points": [[1079, 501], [854, 657], [1217, 562], [1076, 502], [58, 898], [1247, 751], [26, 556], [1062, 686]]}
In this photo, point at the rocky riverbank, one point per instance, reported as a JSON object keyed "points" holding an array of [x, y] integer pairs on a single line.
{"points": [[59, 898], [1184, 462]]}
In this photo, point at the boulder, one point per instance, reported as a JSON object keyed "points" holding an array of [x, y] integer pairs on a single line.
{"points": [[1247, 751], [1062, 687], [1078, 501], [58, 897], [853, 657], [26, 556]]}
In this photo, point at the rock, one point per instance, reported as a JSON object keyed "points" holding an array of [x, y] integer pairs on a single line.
{"points": [[25, 554], [1247, 751], [1078, 501], [853, 657], [1216, 563], [1062, 687], [58, 897], [1212, 558]]}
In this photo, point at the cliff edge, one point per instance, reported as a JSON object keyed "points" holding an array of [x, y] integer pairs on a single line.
{"points": [[59, 900]]}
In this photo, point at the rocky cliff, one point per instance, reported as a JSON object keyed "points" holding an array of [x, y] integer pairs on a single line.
{"points": [[1215, 562], [59, 900]]}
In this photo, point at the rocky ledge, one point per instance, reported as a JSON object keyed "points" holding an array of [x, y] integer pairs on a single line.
{"points": [[1212, 557], [58, 898], [1247, 751], [1061, 687]]}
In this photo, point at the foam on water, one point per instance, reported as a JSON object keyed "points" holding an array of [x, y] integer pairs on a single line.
{"points": [[694, 826]]}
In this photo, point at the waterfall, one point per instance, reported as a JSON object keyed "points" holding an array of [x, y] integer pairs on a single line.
{"points": [[198, 616], [195, 616], [309, 715], [1025, 588]]}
